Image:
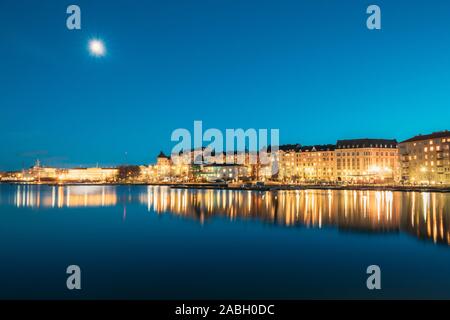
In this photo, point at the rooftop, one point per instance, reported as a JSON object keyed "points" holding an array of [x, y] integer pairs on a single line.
{"points": [[162, 155], [366, 143], [434, 135], [286, 147], [319, 147]]}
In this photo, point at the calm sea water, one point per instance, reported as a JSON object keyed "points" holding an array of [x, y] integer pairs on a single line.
{"points": [[150, 242]]}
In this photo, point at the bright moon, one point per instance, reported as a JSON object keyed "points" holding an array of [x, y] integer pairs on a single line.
{"points": [[97, 48]]}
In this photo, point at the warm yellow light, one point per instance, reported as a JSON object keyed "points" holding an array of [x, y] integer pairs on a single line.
{"points": [[374, 169]]}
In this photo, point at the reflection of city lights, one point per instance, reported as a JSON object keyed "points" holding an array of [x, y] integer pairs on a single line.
{"points": [[367, 210]]}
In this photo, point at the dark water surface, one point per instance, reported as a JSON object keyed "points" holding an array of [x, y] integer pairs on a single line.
{"points": [[142, 242]]}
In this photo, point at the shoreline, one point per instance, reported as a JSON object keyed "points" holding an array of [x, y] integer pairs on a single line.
{"points": [[270, 187]]}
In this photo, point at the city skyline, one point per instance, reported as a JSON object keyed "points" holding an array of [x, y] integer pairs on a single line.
{"points": [[312, 70], [154, 156], [419, 160]]}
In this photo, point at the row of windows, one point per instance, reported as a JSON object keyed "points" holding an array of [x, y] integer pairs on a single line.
{"points": [[427, 156], [339, 154], [431, 142], [368, 146], [367, 153], [437, 148]]}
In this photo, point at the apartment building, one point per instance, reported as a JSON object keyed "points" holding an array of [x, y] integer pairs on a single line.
{"points": [[425, 159], [367, 160], [317, 163]]}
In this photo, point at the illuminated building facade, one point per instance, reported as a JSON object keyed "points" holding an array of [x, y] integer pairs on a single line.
{"points": [[163, 167], [87, 174], [425, 159], [317, 163], [196, 165], [226, 172], [359, 160], [367, 160], [40, 173], [288, 158], [306, 163]]}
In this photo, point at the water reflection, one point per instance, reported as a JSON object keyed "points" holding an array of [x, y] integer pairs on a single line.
{"points": [[59, 196], [424, 215]]}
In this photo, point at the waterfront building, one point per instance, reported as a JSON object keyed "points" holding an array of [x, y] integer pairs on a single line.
{"points": [[367, 160], [310, 164], [150, 174], [190, 163], [40, 173], [317, 164], [13, 176], [298, 163], [224, 171], [146, 173], [163, 167], [425, 159], [359, 160], [288, 159], [186, 165], [94, 174]]}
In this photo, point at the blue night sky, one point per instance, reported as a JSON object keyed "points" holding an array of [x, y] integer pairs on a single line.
{"points": [[310, 68]]}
